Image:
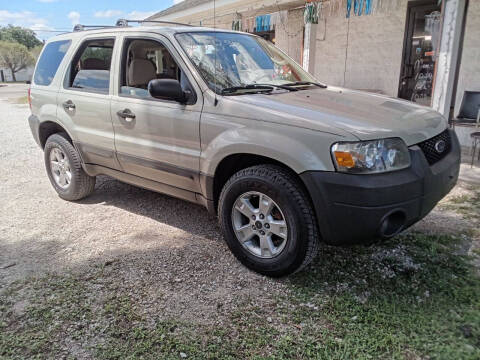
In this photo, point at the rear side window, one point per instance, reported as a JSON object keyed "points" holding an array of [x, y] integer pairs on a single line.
{"points": [[90, 68], [49, 62]]}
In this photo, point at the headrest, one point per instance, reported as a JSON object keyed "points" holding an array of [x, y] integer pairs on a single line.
{"points": [[140, 72], [94, 64]]}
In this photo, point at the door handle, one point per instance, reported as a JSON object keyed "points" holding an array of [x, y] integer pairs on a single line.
{"points": [[126, 114], [69, 105]]}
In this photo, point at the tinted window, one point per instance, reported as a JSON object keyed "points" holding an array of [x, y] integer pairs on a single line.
{"points": [[48, 64], [90, 68]]}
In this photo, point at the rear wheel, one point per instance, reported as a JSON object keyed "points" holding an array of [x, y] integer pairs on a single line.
{"points": [[64, 169], [268, 221]]}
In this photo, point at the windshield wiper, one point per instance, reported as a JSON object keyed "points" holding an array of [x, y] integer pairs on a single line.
{"points": [[257, 87], [323, 86]]}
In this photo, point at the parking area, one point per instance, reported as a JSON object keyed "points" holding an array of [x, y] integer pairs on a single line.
{"points": [[128, 271]]}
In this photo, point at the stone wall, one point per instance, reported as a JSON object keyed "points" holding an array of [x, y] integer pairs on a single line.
{"points": [[289, 33], [363, 52]]}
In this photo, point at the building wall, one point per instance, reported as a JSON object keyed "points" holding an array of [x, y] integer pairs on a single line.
{"points": [[289, 33], [362, 52], [469, 75]]}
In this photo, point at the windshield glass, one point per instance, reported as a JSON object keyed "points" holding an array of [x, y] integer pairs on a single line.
{"points": [[240, 60]]}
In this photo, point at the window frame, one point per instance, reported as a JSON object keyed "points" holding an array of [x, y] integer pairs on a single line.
{"points": [[81, 47], [122, 64]]}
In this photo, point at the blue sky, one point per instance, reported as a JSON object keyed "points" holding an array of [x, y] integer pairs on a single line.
{"points": [[50, 15]]}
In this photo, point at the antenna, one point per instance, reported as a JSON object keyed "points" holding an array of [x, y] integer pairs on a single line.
{"points": [[215, 42]]}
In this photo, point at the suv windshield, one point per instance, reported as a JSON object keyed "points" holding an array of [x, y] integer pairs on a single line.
{"points": [[232, 60]]}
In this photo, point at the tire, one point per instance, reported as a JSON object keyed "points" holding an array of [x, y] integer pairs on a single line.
{"points": [[80, 185], [294, 207]]}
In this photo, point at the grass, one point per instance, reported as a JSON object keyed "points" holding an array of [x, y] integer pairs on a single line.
{"points": [[414, 297], [467, 205]]}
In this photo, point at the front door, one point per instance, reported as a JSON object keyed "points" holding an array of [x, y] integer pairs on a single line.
{"points": [[422, 40], [155, 139]]}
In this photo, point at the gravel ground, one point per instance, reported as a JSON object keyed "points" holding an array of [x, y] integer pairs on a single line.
{"points": [[173, 244], [173, 249]]}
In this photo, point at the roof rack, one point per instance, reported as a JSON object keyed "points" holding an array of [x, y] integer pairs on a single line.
{"points": [[80, 27], [125, 22]]}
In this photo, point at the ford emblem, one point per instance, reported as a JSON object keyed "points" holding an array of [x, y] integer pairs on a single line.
{"points": [[440, 146]]}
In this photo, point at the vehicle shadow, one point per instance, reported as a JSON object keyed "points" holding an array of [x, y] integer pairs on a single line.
{"points": [[159, 207]]}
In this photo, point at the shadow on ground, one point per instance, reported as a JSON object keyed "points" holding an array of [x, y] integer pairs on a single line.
{"points": [[162, 208]]}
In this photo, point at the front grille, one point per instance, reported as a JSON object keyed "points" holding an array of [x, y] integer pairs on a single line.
{"points": [[430, 147]]}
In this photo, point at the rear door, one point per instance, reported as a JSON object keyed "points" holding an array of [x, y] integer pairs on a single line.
{"points": [[84, 100], [160, 140]]}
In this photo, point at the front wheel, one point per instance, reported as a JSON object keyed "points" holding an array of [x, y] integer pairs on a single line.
{"points": [[268, 221]]}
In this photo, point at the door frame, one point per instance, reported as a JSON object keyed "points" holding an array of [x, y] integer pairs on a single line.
{"points": [[406, 37]]}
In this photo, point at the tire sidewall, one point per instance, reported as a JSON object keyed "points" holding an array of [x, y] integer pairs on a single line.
{"points": [[295, 250], [51, 144]]}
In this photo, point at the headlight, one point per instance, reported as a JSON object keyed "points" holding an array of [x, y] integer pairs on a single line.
{"points": [[371, 156]]}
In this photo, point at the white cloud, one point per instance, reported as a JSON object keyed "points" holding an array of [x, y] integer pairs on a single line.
{"points": [[107, 13], [175, 2], [139, 15], [21, 18], [27, 19], [74, 17]]}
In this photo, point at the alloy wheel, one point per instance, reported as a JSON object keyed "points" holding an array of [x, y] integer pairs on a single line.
{"points": [[259, 224]]}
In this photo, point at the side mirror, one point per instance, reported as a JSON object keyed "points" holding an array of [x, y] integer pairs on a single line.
{"points": [[28, 82], [167, 89]]}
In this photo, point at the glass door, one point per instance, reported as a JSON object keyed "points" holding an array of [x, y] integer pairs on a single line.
{"points": [[422, 40]]}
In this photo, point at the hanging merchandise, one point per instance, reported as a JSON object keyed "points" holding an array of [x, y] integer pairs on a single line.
{"points": [[266, 25], [310, 14], [258, 23], [349, 7], [361, 7], [368, 7], [358, 7], [274, 20], [236, 25], [237, 22]]}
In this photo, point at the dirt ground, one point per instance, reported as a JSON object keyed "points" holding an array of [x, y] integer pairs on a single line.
{"points": [[169, 253]]}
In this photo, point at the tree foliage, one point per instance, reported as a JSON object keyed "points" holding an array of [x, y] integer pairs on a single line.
{"points": [[14, 56], [20, 35], [36, 51]]}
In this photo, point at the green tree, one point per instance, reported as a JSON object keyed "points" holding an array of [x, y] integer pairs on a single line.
{"points": [[35, 52], [20, 35], [14, 56]]}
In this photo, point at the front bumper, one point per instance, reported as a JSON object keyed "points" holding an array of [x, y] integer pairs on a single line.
{"points": [[358, 208]]}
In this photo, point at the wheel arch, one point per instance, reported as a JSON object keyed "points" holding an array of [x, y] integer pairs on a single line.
{"points": [[48, 128], [233, 163]]}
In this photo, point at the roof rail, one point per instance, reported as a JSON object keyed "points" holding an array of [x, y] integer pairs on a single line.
{"points": [[125, 22], [80, 27]]}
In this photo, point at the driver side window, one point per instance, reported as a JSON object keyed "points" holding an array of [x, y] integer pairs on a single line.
{"points": [[144, 60]]}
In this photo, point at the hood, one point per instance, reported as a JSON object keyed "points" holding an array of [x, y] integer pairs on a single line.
{"points": [[364, 115]]}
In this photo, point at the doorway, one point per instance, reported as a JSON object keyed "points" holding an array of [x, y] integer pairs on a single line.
{"points": [[422, 39]]}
